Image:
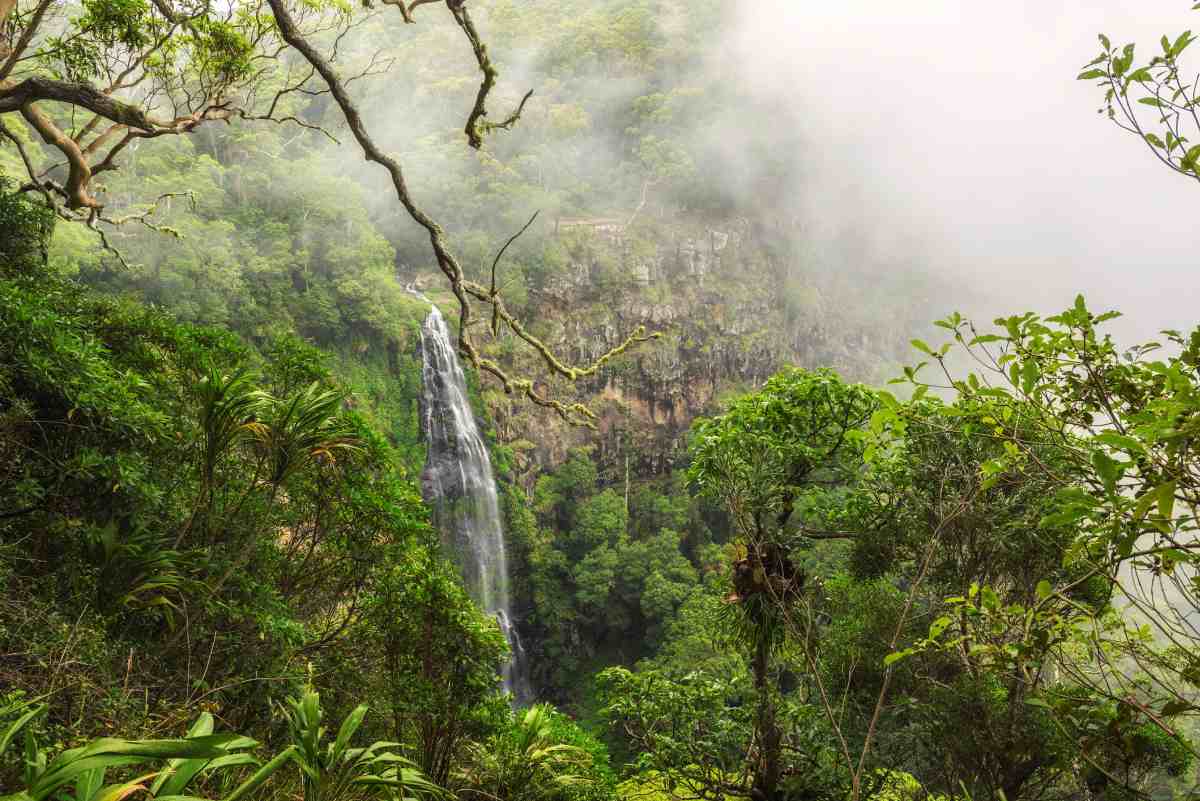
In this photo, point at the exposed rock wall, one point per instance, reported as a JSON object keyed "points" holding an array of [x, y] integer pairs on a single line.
{"points": [[719, 295]]}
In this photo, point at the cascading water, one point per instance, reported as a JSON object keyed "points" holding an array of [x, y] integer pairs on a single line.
{"points": [[459, 485]]}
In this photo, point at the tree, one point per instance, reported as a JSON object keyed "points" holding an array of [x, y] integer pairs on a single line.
{"points": [[775, 460], [139, 70], [970, 704], [466, 292], [156, 492], [1107, 432], [440, 657], [91, 85], [684, 728]]}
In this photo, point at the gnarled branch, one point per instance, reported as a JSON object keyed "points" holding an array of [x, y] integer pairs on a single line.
{"points": [[463, 289], [476, 126]]}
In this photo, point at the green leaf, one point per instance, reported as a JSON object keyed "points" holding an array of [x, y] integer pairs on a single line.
{"points": [[56, 777], [1182, 43], [262, 774], [1172, 708], [1143, 505], [88, 783], [1091, 74], [1030, 373], [1121, 442], [1108, 469], [349, 726], [1044, 589], [17, 725], [1166, 499], [1190, 158]]}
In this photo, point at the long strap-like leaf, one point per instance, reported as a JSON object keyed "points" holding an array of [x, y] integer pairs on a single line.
{"points": [[262, 774], [17, 725]]}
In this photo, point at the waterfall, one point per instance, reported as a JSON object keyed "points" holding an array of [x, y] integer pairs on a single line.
{"points": [[460, 487]]}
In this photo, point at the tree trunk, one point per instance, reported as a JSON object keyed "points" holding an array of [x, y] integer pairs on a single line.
{"points": [[766, 767]]}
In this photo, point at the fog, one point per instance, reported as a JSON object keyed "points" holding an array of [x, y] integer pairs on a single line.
{"points": [[961, 125], [938, 152]]}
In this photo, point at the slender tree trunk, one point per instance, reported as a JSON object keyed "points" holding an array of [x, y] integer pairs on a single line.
{"points": [[766, 768]]}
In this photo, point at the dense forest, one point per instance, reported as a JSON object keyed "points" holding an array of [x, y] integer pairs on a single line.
{"points": [[684, 498]]}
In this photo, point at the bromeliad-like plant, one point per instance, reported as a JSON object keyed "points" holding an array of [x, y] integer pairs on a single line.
{"points": [[229, 406], [334, 771], [291, 434], [137, 570], [78, 774], [295, 432], [525, 763]]}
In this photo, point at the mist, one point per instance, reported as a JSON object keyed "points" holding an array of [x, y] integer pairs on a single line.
{"points": [[961, 126]]}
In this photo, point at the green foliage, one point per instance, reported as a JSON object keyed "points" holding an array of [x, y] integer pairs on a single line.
{"points": [[335, 770], [1151, 99], [1116, 422], [534, 759], [688, 727], [27, 226], [605, 576], [159, 500], [772, 452], [84, 768], [438, 657]]}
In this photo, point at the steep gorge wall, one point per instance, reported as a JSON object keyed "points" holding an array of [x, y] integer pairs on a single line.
{"points": [[731, 306]]}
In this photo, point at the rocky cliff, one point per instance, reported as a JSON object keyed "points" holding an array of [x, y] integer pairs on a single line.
{"points": [[733, 304]]}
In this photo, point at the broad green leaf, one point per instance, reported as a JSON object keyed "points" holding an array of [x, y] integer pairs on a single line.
{"points": [[349, 726], [87, 783], [1166, 499], [1107, 469], [1120, 441], [1182, 43], [1142, 507]]}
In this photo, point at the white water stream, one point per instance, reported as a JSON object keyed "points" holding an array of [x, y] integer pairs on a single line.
{"points": [[460, 488]]}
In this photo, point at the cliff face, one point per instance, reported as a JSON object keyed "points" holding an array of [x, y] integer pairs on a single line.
{"points": [[731, 309]]}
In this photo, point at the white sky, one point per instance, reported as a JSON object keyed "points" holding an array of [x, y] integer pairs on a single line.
{"points": [[963, 122]]}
